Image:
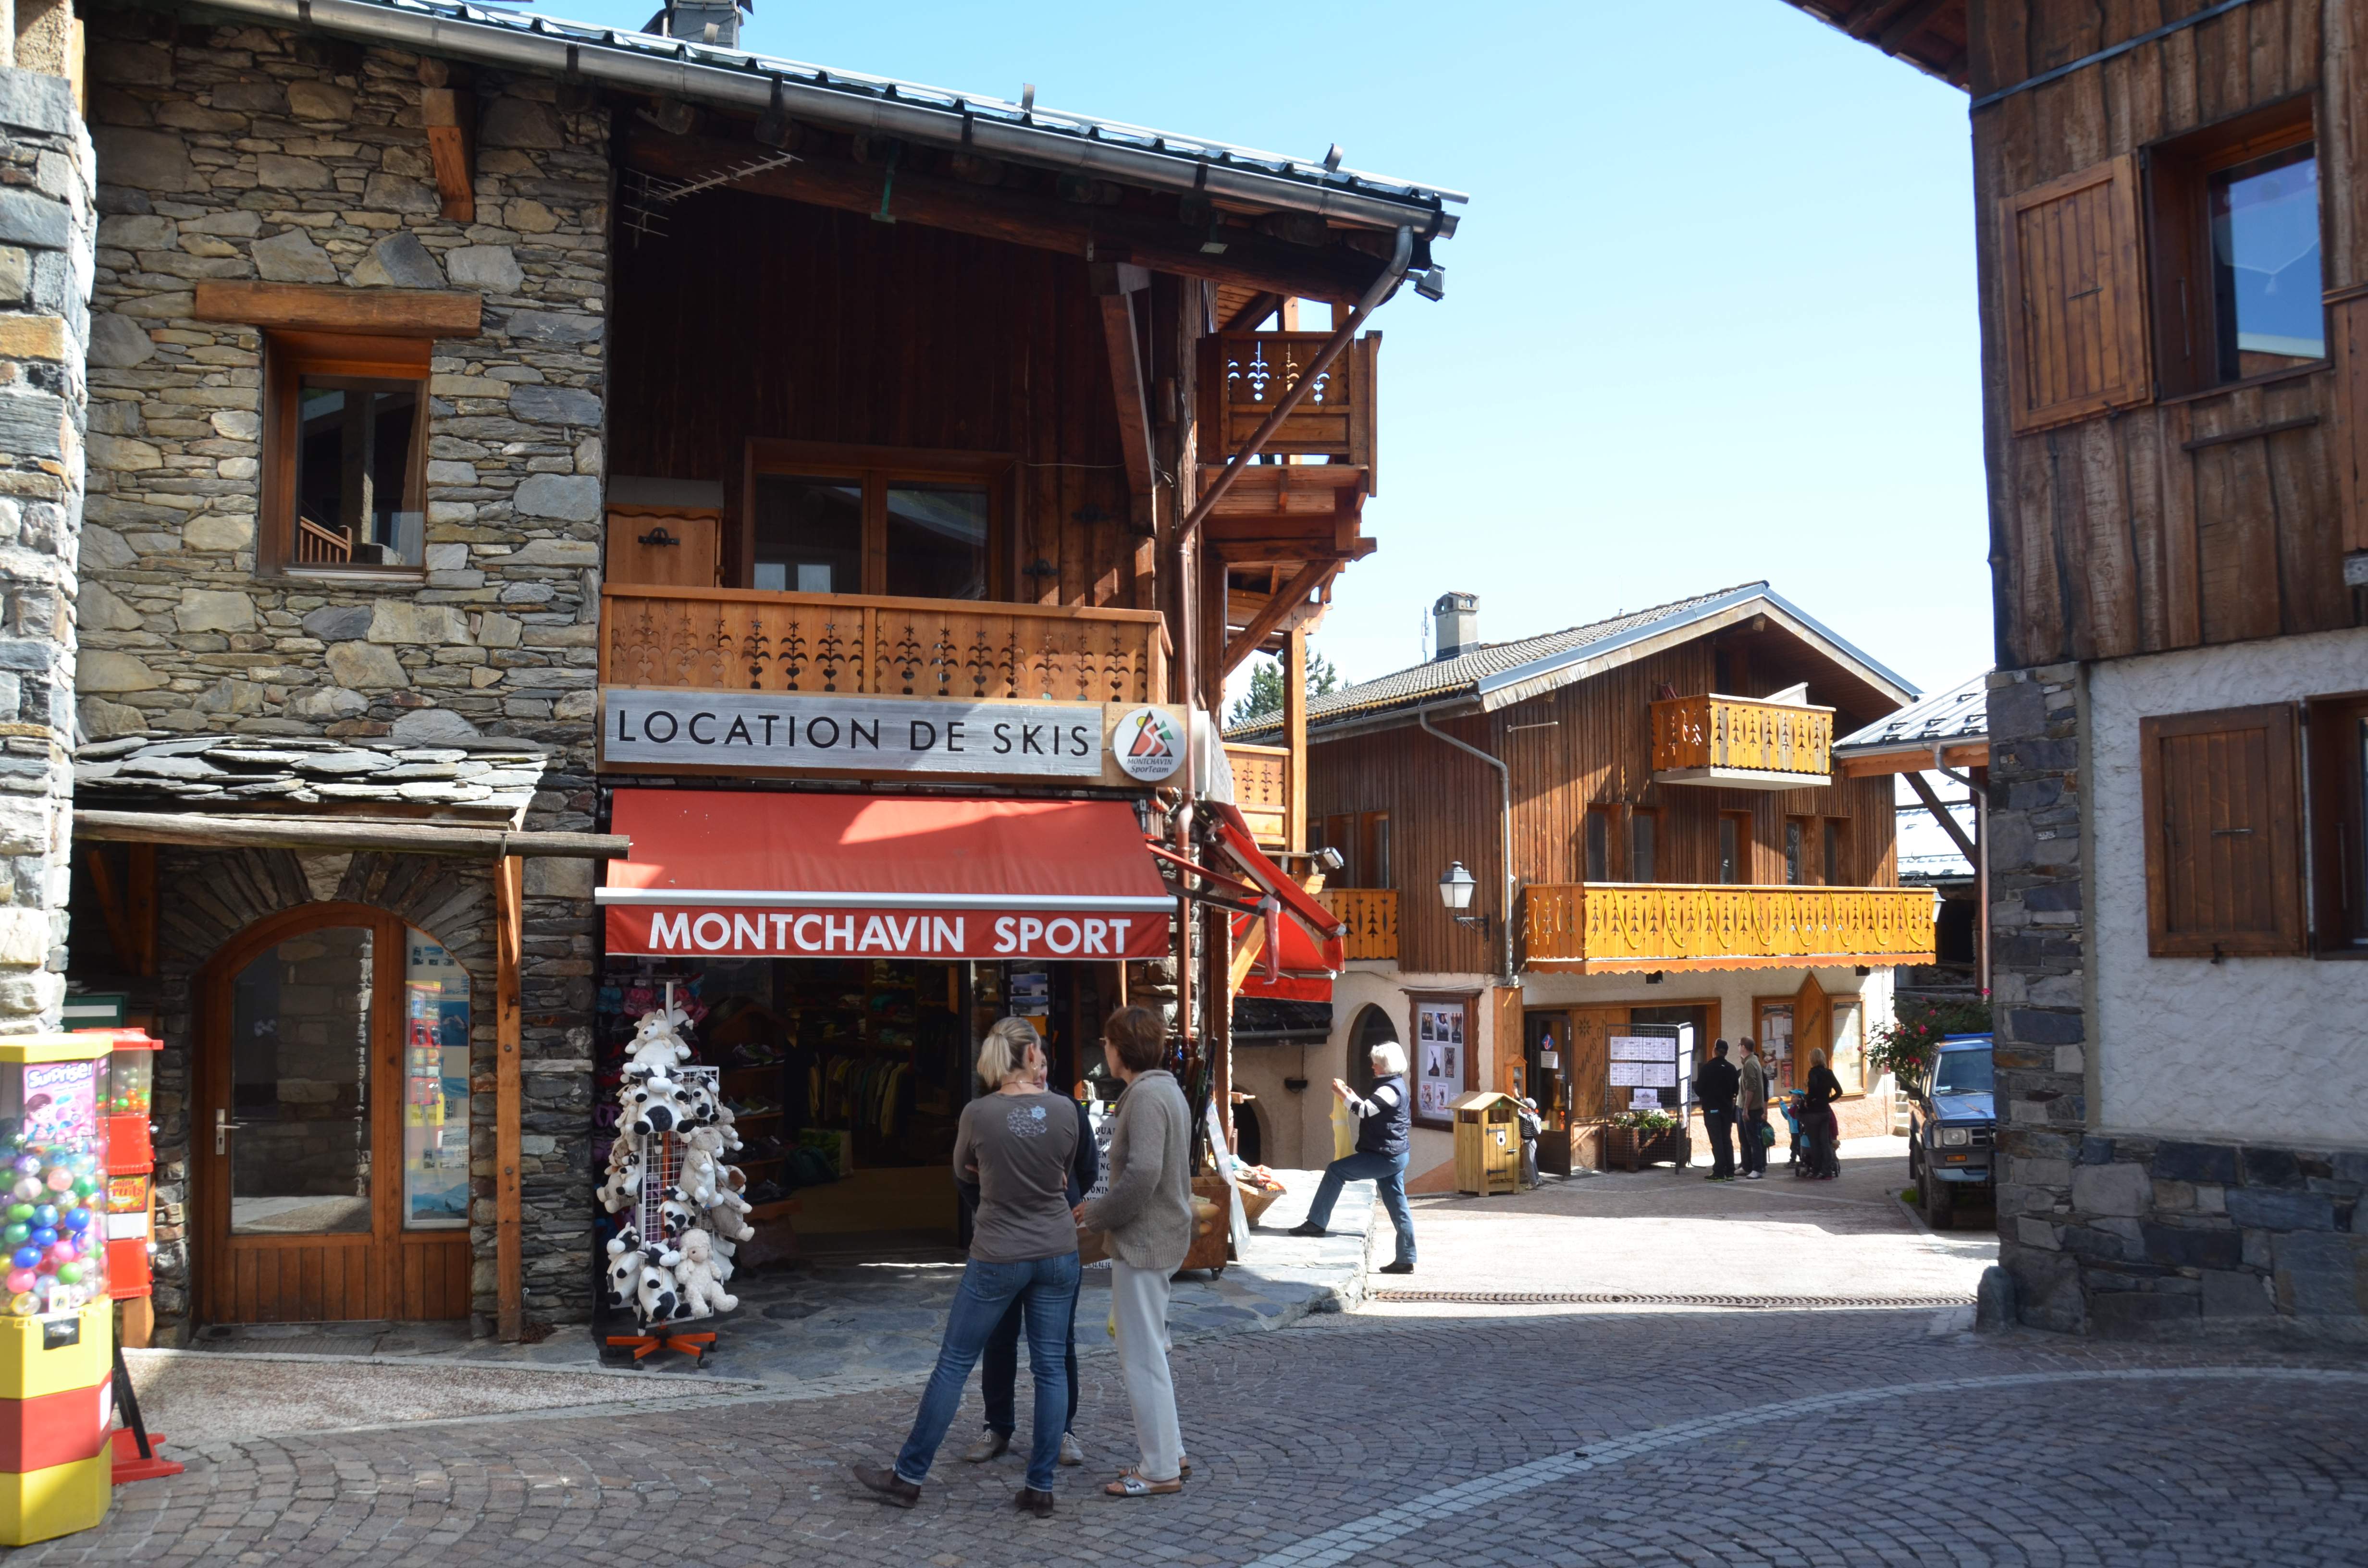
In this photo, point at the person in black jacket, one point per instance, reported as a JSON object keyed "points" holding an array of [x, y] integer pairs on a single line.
{"points": [[1382, 1145], [1825, 1088], [998, 1364], [1715, 1085]]}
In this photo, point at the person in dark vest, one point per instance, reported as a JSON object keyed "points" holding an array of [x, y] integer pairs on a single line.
{"points": [[1383, 1122], [1714, 1088]]}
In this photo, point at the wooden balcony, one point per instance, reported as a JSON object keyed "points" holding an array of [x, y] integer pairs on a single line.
{"points": [[1262, 791], [1309, 505], [944, 650], [1372, 916], [1614, 928], [1736, 743]]}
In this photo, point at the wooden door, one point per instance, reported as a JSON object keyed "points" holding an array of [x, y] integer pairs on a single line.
{"points": [[332, 1122], [1812, 1016]]}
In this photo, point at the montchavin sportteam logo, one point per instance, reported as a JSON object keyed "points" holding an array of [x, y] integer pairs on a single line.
{"points": [[1148, 744]]}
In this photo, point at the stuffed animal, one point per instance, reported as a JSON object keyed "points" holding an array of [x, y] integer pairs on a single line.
{"points": [[704, 1174], [698, 1278], [624, 1183], [657, 1041], [656, 1295], [729, 1125], [626, 1258], [653, 1103], [702, 1102], [726, 1224], [676, 1214]]}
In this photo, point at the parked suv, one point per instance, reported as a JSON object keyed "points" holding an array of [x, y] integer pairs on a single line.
{"points": [[1953, 1132]]}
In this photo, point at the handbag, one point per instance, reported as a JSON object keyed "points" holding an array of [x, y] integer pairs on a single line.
{"points": [[1767, 1134]]}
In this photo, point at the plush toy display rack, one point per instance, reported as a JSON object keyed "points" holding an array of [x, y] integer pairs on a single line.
{"points": [[668, 1261]]}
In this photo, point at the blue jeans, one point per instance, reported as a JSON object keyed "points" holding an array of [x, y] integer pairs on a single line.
{"points": [[998, 1369], [1049, 1286], [1387, 1173]]}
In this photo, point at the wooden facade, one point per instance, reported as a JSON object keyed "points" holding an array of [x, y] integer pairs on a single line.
{"points": [[1586, 746]]}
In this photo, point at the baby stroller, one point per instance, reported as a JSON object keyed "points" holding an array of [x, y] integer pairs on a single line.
{"points": [[1814, 1153]]}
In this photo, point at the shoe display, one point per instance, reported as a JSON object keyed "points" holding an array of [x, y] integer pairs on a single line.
{"points": [[1073, 1452], [991, 1445]]}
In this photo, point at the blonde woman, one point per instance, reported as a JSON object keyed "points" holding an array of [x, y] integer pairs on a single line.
{"points": [[1817, 1118], [1383, 1122], [1017, 1143]]}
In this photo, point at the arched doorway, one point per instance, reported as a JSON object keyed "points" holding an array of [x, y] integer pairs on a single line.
{"points": [[1250, 1133], [332, 1121], [1372, 1026]]}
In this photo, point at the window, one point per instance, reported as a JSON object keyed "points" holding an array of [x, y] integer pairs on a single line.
{"points": [[2235, 248], [1849, 1055], [1644, 833], [1734, 848], [2339, 817], [866, 520], [2222, 858], [347, 453], [1833, 837], [1796, 834], [1377, 850], [1598, 844]]}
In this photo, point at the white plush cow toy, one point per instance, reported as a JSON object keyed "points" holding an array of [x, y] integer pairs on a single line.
{"points": [[656, 1293], [626, 1258], [657, 1041], [653, 1103], [624, 1183]]}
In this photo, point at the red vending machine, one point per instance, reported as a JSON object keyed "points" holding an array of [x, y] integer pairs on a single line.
{"points": [[130, 1168]]}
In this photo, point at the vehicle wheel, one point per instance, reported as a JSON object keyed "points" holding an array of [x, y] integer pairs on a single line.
{"points": [[1940, 1204], [1916, 1163]]}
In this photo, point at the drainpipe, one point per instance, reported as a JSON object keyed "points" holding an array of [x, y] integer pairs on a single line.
{"points": [[1384, 287], [1504, 822], [1981, 862]]}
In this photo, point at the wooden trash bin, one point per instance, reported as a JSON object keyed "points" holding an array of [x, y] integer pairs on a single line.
{"points": [[1487, 1144]]}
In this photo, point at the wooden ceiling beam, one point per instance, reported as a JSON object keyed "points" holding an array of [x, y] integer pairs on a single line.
{"points": [[1262, 305], [1907, 24], [1115, 287], [1238, 649], [1035, 219]]}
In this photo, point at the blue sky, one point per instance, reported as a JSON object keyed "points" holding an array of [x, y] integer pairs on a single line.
{"points": [[1711, 317]]}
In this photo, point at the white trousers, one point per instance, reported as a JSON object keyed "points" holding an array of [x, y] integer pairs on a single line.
{"points": [[1139, 1300]]}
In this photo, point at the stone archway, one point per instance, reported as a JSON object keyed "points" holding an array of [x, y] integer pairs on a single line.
{"points": [[1372, 1026]]}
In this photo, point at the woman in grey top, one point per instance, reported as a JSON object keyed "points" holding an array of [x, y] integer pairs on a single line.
{"points": [[1148, 1215], [1016, 1144]]}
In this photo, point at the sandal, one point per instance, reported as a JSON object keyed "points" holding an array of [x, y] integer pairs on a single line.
{"points": [[1183, 1467], [1130, 1484]]}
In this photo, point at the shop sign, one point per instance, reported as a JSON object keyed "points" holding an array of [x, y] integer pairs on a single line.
{"points": [[759, 931], [754, 732]]}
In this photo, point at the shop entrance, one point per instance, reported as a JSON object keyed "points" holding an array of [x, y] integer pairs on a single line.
{"points": [[332, 1122]]}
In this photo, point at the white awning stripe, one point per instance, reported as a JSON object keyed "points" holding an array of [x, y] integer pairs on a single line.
{"points": [[757, 898]]}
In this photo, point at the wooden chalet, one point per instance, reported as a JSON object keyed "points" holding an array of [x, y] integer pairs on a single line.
{"points": [[1656, 831], [2171, 222]]}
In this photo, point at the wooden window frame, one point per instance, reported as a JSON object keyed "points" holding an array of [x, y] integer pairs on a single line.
{"points": [[877, 468], [1745, 848], [1468, 1001], [1604, 819], [287, 357], [1795, 850], [2185, 320], [1833, 852], [1647, 817], [2338, 809], [2282, 812], [1373, 849]]}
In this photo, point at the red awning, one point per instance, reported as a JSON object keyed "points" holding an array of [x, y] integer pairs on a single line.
{"points": [[1310, 952], [745, 874]]}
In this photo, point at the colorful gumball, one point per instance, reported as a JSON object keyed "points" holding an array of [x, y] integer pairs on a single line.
{"points": [[20, 1212], [57, 1179], [23, 1304], [85, 1186], [79, 1220], [44, 1236], [15, 1235], [27, 1188], [28, 1165], [45, 1214], [26, 1256], [71, 1273], [19, 1279], [64, 1252]]}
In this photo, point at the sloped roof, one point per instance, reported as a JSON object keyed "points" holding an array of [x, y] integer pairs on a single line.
{"points": [[1498, 675], [1949, 718], [475, 782]]}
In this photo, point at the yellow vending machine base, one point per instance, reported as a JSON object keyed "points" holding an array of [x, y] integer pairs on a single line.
{"points": [[40, 1504], [40, 1355]]}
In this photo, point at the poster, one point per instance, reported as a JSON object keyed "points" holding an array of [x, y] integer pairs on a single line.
{"points": [[1229, 1165], [1776, 1044], [1439, 1060], [1644, 1075]]}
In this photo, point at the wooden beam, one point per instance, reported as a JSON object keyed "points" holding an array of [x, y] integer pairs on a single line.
{"points": [[1907, 24], [449, 117], [1036, 219], [1262, 305], [330, 307], [1970, 753], [316, 833], [509, 1151], [111, 904], [1949, 823], [140, 909], [1240, 648], [1127, 384], [1295, 739]]}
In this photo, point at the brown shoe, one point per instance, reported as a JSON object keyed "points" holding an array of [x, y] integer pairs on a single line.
{"points": [[1031, 1501], [893, 1488]]}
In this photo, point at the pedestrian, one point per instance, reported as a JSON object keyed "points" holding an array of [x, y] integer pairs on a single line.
{"points": [[1384, 1123], [1147, 1215], [1018, 1144], [998, 1364], [1824, 1089], [1715, 1089], [1751, 1107], [1533, 1127]]}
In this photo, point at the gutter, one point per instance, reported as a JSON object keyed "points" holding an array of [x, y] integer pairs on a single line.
{"points": [[1504, 823], [580, 52]]}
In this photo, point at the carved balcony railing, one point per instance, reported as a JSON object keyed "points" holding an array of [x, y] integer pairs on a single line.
{"points": [[1609, 927], [946, 650], [1262, 791], [1372, 916], [1246, 374], [1732, 740]]}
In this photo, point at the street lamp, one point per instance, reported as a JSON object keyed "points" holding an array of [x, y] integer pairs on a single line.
{"points": [[1456, 894]]}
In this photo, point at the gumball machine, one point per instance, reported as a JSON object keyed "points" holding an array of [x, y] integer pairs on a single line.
{"points": [[127, 1091], [57, 1320]]}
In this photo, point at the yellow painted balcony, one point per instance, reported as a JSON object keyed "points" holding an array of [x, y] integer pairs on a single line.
{"points": [[1734, 743], [1614, 928], [1372, 916], [1262, 791], [945, 649]]}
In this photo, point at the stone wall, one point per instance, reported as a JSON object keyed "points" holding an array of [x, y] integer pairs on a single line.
{"points": [[2128, 1233], [252, 153], [46, 219]]}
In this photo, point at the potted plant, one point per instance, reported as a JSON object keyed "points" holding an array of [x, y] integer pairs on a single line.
{"points": [[1634, 1139]]}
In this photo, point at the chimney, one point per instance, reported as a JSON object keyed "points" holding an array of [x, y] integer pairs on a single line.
{"points": [[715, 23], [1457, 618]]}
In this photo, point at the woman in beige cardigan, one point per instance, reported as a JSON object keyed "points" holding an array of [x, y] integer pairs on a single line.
{"points": [[1147, 1215]]}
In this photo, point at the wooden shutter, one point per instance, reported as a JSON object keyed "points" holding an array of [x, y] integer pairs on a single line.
{"points": [[1811, 1014], [2074, 311], [2348, 322], [2222, 857]]}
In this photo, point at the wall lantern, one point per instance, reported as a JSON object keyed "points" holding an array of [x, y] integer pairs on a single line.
{"points": [[1455, 895]]}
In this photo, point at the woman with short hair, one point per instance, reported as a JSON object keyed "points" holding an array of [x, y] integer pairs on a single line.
{"points": [[1147, 1215], [1017, 1143], [1383, 1137]]}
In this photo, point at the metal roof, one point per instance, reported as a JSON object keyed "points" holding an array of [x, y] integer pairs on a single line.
{"points": [[852, 100], [1498, 675], [1952, 717]]}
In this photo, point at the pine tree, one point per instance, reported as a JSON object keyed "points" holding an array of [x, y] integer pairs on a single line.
{"points": [[1264, 698]]}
